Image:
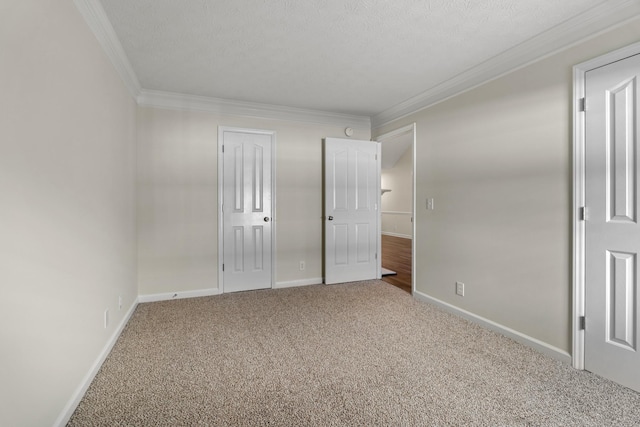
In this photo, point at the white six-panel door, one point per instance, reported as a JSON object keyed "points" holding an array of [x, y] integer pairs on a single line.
{"points": [[247, 210], [352, 197], [612, 228]]}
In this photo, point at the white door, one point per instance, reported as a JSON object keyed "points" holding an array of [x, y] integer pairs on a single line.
{"points": [[352, 197], [612, 229], [247, 210]]}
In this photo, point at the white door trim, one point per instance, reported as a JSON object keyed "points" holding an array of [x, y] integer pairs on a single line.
{"points": [[400, 131], [579, 177], [272, 134]]}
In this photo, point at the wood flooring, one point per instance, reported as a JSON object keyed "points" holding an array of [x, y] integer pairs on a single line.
{"points": [[396, 256]]}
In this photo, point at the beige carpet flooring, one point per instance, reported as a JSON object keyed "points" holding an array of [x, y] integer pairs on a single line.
{"points": [[362, 354]]}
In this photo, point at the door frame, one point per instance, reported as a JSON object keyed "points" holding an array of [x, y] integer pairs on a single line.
{"points": [[579, 179], [391, 134], [272, 134]]}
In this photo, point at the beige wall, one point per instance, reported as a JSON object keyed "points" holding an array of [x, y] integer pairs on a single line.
{"points": [[178, 198], [498, 161], [398, 179], [67, 251]]}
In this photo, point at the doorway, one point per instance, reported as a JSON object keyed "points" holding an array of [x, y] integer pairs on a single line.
{"points": [[246, 198], [607, 230], [397, 206]]}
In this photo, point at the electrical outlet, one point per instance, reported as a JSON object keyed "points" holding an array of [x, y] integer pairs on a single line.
{"points": [[120, 303], [106, 318], [303, 265], [460, 289]]}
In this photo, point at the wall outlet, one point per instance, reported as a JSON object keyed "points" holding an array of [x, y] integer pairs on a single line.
{"points": [[303, 265], [106, 318], [120, 303], [460, 289]]}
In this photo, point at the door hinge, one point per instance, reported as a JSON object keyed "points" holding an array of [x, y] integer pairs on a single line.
{"points": [[582, 323], [222, 267], [223, 148], [376, 256], [584, 213], [582, 104]]}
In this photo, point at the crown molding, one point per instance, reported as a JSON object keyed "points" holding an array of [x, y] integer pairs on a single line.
{"points": [[569, 33], [97, 20], [177, 101]]}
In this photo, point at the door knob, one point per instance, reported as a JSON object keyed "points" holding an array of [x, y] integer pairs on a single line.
{"points": [[266, 219], [330, 218]]}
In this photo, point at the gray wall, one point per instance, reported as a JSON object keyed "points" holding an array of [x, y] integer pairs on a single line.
{"points": [[398, 179], [178, 198], [498, 161], [67, 216]]}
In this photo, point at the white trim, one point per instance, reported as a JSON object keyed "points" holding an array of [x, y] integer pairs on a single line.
{"points": [[220, 213], [579, 178], [396, 213], [77, 396], [578, 226], [585, 26], [379, 207], [178, 295], [272, 134], [396, 132], [177, 101], [97, 20], [404, 236], [534, 343], [391, 134], [296, 283], [413, 208]]}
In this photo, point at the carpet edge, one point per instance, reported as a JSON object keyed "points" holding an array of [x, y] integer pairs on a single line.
{"points": [[77, 396], [524, 339]]}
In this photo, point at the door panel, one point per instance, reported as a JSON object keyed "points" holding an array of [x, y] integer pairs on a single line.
{"points": [[621, 280], [612, 229], [247, 227], [352, 194], [621, 177]]}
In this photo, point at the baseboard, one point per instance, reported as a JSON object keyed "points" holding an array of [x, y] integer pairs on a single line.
{"points": [[68, 410], [294, 283], [404, 236], [178, 295], [534, 343]]}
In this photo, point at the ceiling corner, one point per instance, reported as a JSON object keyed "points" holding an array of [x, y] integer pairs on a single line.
{"points": [[177, 101], [571, 32], [97, 20]]}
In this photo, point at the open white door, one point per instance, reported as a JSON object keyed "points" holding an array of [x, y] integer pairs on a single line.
{"points": [[247, 226], [351, 200], [612, 226]]}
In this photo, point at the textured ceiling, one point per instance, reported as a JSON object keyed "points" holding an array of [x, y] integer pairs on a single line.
{"points": [[348, 56]]}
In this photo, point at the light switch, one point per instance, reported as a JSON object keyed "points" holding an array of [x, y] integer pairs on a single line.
{"points": [[430, 204]]}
